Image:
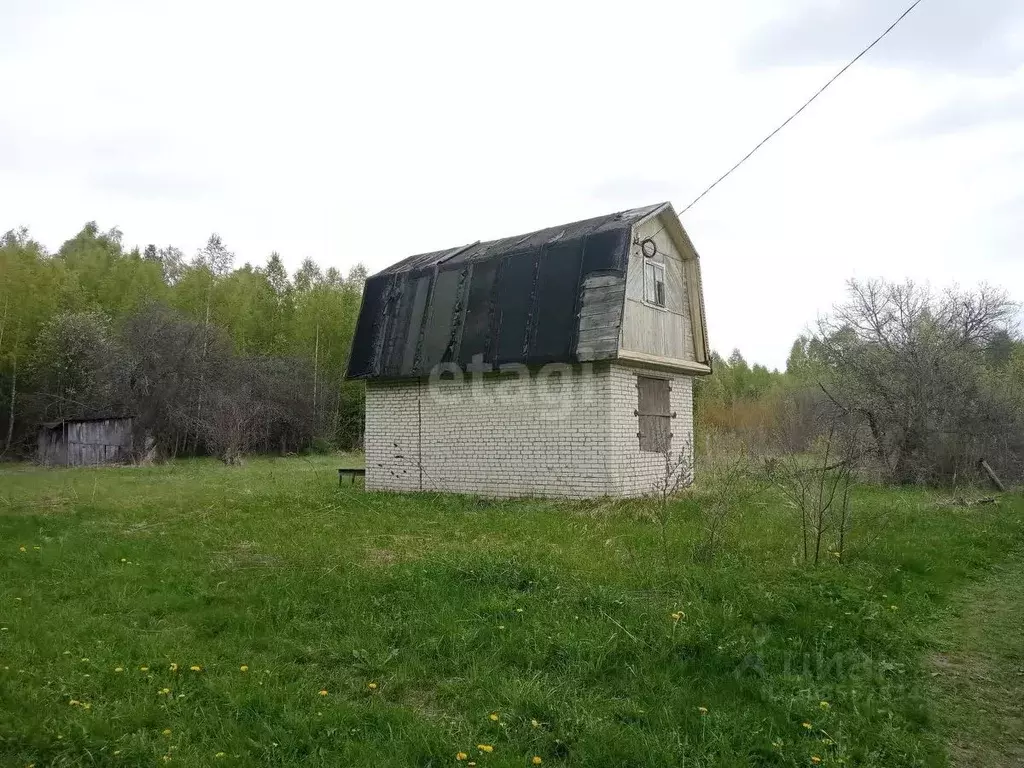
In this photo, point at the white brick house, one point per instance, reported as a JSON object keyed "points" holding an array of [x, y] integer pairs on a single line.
{"points": [[557, 363]]}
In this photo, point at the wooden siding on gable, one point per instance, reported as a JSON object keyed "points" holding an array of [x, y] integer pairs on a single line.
{"points": [[665, 332]]}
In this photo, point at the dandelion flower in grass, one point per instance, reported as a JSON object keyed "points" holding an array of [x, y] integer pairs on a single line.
{"points": [[174, 666], [678, 615], [220, 755], [323, 692], [85, 659], [372, 686], [244, 668], [535, 723], [22, 549], [74, 703], [536, 760], [166, 731], [164, 691], [824, 705], [461, 756], [119, 669], [196, 668], [807, 725], [816, 760], [86, 705], [143, 668], [485, 748], [702, 710], [893, 608], [494, 716]]}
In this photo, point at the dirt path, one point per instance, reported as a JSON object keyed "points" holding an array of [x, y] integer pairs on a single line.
{"points": [[979, 676]]}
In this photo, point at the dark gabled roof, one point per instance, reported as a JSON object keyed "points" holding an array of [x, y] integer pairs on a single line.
{"points": [[514, 300]]}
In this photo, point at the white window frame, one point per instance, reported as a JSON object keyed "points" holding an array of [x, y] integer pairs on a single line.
{"points": [[659, 271]]}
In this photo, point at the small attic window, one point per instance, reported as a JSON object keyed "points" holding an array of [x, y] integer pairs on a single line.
{"points": [[654, 283]]}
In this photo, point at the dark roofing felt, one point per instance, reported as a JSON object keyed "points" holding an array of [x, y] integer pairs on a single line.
{"points": [[513, 300]]}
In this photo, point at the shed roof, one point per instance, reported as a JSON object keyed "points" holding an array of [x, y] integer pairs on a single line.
{"points": [[512, 300], [85, 419]]}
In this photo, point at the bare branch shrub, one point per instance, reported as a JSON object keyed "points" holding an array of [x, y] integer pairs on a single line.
{"points": [[817, 489], [909, 365]]}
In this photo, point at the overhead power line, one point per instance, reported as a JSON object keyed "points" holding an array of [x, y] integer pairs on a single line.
{"points": [[806, 104]]}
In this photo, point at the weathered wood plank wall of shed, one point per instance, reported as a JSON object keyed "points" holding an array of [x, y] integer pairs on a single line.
{"points": [[86, 443], [667, 331]]}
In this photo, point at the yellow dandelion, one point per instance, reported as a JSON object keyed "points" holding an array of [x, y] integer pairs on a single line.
{"points": [[22, 549], [220, 755], [677, 616], [166, 731], [815, 759], [519, 610], [74, 703], [893, 608], [535, 723], [86, 705], [117, 752], [119, 669], [493, 716], [485, 748], [85, 658], [372, 686], [124, 559], [323, 692], [536, 760], [164, 691], [824, 705], [806, 725], [143, 669], [196, 668], [166, 758], [174, 666], [244, 668], [461, 756], [702, 710]]}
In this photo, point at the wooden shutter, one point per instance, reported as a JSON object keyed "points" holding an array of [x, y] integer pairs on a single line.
{"points": [[654, 414]]}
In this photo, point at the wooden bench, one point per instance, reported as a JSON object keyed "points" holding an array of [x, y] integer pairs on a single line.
{"points": [[350, 472]]}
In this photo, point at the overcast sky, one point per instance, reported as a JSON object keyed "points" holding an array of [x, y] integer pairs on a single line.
{"points": [[352, 132]]}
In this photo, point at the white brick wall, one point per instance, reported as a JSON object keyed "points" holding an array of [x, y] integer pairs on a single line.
{"points": [[573, 435]]}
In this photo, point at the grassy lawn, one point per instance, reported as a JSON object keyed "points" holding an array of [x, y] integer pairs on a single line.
{"points": [[206, 615]]}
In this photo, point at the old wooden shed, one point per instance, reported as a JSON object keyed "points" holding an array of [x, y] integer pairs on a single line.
{"points": [[90, 442]]}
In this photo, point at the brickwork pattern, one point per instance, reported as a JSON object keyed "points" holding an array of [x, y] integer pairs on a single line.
{"points": [[570, 434]]}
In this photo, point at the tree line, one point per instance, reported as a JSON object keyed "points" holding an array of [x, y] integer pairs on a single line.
{"points": [[912, 384], [210, 358]]}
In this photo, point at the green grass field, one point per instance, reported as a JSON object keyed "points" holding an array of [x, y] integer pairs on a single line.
{"points": [[199, 614]]}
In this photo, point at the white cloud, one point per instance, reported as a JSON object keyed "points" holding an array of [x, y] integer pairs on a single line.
{"points": [[368, 132]]}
